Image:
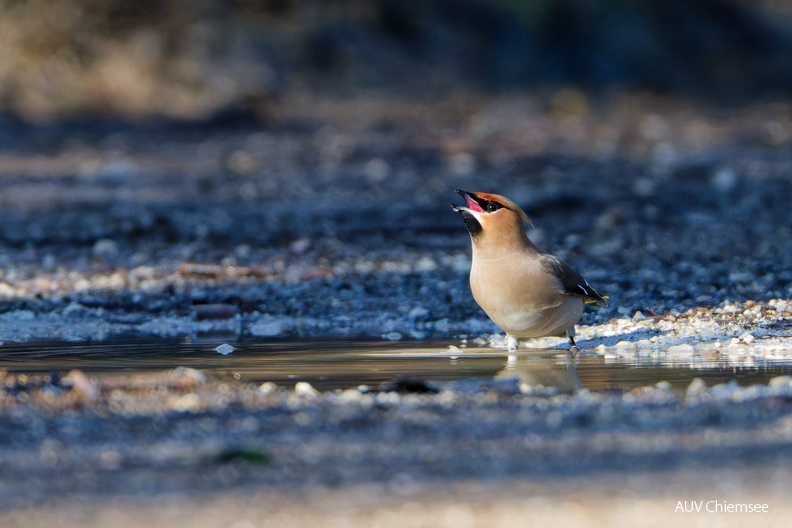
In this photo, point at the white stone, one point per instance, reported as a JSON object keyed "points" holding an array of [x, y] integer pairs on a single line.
{"points": [[697, 387], [305, 389], [747, 338], [269, 328], [724, 179], [267, 387], [780, 381], [224, 349], [681, 350]]}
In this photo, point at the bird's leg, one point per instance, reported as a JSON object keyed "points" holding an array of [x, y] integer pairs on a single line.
{"points": [[573, 348], [512, 342]]}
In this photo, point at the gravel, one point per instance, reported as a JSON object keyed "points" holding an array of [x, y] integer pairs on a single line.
{"points": [[112, 440], [335, 224]]}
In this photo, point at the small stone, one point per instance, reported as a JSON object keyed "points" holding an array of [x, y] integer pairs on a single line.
{"points": [[681, 350], [664, 386], [351, 396], [697, 388], [393, 336], [638, 316], [187, 403], [425, 264], [419, 313], [267, 387], [185, 378], [300, 245], [725, 390], [781, 382], [724, 179], [75, 309], [105, 249], [731, 309], [82, 386], [269, 327], [224, 349], [304, 389], [747, 338], [200, 270]]}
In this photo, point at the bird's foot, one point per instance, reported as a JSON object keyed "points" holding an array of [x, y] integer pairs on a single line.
{"points": [[573, 348]]}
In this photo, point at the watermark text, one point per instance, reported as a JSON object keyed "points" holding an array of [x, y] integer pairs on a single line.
{"points": [[716, 506]]}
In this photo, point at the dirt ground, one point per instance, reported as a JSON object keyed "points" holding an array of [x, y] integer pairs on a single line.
{"points": [[332, 220]]}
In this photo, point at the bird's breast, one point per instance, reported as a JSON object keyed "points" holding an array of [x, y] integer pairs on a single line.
{"points": [[521, 298]]}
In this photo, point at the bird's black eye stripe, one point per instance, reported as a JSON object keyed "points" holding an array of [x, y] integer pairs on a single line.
{"points": [[492, 206]]}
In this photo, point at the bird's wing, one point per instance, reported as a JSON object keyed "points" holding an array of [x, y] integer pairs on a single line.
{"points": [[571, 280]]}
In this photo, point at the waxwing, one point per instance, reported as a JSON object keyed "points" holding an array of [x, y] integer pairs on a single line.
{"points": [[527, 293]]}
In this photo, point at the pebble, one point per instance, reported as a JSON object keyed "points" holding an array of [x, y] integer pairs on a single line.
{"points": [[200, 270], [780, 381], [305, 389], [681, 350], [270, 327], [186, 403], [82, 386], [224, 349], [782, 306], [425, 264], [267, 387], [300, 246], [105, 249], [696, 389], [664, 386], [724, 179], [747, 338], [351, 395], [725, 390]]}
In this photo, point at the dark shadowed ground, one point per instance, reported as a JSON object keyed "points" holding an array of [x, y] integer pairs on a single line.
{"points": [[307, 197]]}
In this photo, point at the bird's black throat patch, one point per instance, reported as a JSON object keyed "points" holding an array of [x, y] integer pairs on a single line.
{"points": [[473, 225]]}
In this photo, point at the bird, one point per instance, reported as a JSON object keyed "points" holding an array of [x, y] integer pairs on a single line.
{"points": [[527, 293]]}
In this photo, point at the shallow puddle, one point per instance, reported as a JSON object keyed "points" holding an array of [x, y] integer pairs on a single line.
{"points": [[333, 364]]}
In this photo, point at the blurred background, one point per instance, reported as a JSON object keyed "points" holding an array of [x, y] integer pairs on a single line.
{"points": [[648, 140], [192, 60]]}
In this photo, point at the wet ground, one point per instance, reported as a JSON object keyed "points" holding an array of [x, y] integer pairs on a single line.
{"points": [[320, 247], [329, 364]]}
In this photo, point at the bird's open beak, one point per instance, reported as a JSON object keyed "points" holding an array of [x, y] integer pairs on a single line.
{"points": [[470, 215], [474, 203]]}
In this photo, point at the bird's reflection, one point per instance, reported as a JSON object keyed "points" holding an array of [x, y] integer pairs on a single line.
{"points": [[540, 371]]}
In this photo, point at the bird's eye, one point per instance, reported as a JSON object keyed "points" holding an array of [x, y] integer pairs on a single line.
{"points": [[492, 207]]}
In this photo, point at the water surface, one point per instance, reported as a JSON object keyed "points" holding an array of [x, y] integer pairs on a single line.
{"points": [[338, 364]]}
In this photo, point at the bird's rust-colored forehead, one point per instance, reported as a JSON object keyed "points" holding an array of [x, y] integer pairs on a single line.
{"points": [[494, 197]]}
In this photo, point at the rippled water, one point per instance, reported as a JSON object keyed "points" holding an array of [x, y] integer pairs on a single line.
{"points": [[334, 364]]}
